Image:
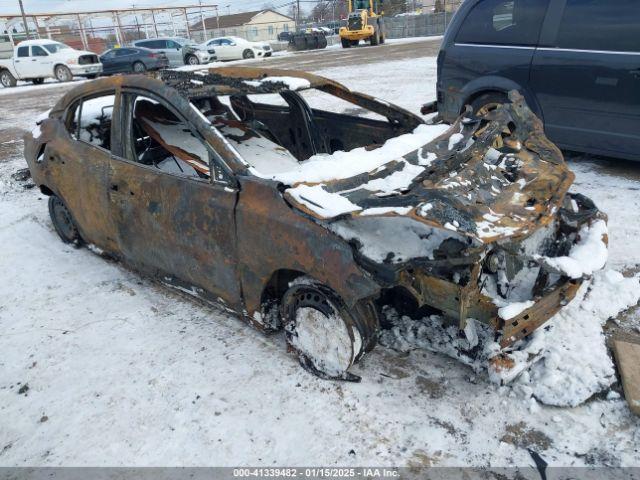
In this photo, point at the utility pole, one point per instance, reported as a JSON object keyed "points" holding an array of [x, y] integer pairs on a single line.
{"points": [[204, 30], [217, 21], [24, 19], [297, 15]]}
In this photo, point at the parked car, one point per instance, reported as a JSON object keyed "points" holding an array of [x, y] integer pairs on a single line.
{"points": [[284, 36], [35, 60], [179, 51], [132, 60], [236, 48], [577, 63], [302, 219]]}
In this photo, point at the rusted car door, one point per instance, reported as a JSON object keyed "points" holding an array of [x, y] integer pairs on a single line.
{"points": [[174, 221], [78, 164]]}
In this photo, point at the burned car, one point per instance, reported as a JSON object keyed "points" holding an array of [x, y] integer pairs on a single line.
{"points": [[233, 185]]}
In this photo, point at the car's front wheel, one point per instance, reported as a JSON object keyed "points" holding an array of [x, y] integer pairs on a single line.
{"points": [[248, 53], [192, 60], [7, 79], [321, 331], [63, 74], [63, 221]]}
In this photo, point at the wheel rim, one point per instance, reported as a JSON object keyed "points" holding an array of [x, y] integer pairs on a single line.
{"points": [[5, 80], [320, 336], [138, 67], [62, 74], [64, 222], [248, 54], [193, 60]]}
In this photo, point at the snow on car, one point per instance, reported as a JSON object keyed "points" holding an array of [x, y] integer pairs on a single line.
{"points": [[226, 184], [36, 60]]}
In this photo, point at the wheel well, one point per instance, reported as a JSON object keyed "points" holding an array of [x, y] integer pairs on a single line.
{"points": [[473, 97], [278, 285], [46, 190]]}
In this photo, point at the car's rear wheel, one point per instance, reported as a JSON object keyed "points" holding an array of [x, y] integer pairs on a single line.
{"points": [[63, 221], [192, 60], [6, 79], [139, 67], [37, 81], [321, 331], [248, 53], [487, 102], [63, 74]]}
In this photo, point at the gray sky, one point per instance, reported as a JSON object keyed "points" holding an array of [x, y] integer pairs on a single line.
{"points": [[37, 6]]}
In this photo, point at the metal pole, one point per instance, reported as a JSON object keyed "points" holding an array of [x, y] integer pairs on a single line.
{"points": [[186, 22], [217, 22], [204, 28], [85, 45], [119, 36], [155, 25], [24, 19]]}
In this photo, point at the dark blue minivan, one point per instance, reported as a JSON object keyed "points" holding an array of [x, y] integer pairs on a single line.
{"points": [[577, 63]]}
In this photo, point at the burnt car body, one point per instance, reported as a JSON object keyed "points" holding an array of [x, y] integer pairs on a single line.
{"points": [[261, 207]]}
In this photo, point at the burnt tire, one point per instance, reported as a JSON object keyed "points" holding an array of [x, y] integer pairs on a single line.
{"points": [[248, 53], [345, 43], [321, 331], [63, 221], [487, 102], [7, 79], [63, 74], [138, 67]]}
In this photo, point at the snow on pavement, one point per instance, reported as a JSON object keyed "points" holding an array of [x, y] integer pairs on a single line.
{"points": [[116, 370]]}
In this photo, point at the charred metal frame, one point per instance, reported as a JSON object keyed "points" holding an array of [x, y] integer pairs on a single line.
{"points": [[245, 243]]}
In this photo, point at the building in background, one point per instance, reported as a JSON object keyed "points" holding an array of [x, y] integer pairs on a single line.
{"points": [[259, 25]]}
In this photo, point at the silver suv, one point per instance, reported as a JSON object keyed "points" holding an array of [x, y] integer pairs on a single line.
{"points": [[179, 51]]}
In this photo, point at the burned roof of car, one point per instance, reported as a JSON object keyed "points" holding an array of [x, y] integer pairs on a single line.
{"points": [[241, 81]]}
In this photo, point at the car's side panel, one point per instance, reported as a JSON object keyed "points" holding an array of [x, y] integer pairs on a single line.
{"points": [[177, 225], [294, 243], [78, 173]]}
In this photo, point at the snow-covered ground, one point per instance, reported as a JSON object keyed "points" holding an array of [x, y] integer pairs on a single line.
{"points": [[99, 366]]}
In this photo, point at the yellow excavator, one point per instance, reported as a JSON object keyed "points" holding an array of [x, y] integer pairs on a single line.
{"points": [[365, 22]]}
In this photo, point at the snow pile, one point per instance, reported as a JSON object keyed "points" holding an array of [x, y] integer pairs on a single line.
{"points": [[563, 363], [292, 83], [323, 203], [588, 255], [325, 167], [576, 363]]}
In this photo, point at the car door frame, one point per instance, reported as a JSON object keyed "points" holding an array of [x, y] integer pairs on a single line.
{"points": [[195, 253]]}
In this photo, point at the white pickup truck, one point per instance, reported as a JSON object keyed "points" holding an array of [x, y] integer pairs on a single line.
{"points": [[35, 60]]}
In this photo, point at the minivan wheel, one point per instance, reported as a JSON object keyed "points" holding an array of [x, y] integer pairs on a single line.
{"points": [[7, 79], [63, 221], [487, 102], [192, 60], [320, 330], [63, 74]]}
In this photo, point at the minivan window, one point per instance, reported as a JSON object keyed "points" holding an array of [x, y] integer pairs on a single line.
{"points": [[609, 25], [500, 22]]}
